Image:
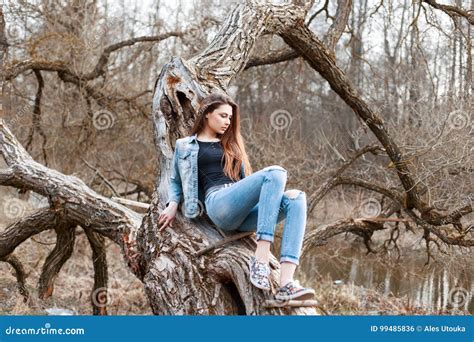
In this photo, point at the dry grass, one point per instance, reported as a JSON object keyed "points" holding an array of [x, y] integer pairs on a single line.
{"points": [[349, 299]]}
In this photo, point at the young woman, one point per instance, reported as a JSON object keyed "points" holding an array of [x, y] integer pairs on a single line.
{"points": [[211, 170]]}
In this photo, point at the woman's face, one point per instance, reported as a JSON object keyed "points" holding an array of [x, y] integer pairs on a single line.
{"points": [[219, 120]]}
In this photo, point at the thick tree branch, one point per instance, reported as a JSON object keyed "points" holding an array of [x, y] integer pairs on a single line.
{"points": [[99, 294], [215, 66], [273, 57], [19, 231], [36, 126], [99, 68], [20, 275], [450, 237], [62, 251], [331, 38], [5, 176], [393, 195], [452, 11], [12, 71], [324, 8], [68, 193], [319, 236], [3, 41], [338, 25]]}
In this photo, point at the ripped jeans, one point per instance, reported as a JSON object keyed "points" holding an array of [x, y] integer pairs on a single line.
{"points": [[257, 203]]}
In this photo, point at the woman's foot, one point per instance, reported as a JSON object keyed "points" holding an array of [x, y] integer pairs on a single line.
{"points": [[259, 272], [293, 290]]}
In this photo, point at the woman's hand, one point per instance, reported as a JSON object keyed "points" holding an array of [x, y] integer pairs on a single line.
{"points": [[167, 216]]}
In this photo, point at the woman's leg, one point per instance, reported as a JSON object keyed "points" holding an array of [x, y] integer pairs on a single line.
{"points": [[262, 253], [229, 207], [293, 209]]}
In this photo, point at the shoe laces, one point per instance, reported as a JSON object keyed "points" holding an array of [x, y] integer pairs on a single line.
{"points": [[293, 284]]}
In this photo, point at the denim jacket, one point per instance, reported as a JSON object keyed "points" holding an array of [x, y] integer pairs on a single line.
{"points": [[184, 177]]}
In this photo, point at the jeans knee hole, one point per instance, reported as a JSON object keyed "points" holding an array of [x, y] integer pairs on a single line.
{"points": [[293, 194]]}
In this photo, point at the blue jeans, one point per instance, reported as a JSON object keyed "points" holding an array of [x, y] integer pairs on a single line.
{"points": [[257, 203]]}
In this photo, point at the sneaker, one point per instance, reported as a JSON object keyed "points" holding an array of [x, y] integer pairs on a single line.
{"points": [[259, 272], [293, 290]]}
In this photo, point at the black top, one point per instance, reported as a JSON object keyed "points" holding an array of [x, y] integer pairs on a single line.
{"points": [[211, 165]]}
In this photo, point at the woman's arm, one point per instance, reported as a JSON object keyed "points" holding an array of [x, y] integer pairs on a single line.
{"points": [[175, 190]]}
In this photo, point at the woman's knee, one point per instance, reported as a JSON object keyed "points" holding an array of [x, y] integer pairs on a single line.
{"points": [[294, 198], [276, 172], [274, 167], [294, 194]]}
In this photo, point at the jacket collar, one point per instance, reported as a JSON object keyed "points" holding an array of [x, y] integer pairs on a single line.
{"points": [[193, 138]]}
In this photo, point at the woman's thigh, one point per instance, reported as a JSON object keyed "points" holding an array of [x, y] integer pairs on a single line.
{"points": [[229, 207]]}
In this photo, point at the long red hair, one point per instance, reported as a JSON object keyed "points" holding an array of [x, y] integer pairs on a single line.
{"points": [[231, 140]]}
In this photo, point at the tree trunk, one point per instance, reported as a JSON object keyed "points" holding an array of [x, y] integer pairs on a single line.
{"points": [[176, 281]]}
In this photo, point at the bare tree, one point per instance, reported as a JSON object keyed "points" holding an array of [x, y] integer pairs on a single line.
{"points": [[186, 270]]}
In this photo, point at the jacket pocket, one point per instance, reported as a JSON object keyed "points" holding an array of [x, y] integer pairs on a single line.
{"points": [[184, 164], [184, 154]]}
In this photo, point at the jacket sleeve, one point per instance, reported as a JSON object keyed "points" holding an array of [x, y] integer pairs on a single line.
{"points": [[175, 190]]}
